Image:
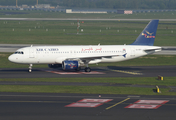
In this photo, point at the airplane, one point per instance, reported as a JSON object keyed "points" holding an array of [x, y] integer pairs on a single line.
{"points": [[75, 57]]}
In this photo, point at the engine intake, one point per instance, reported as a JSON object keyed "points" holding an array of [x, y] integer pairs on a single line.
{"points": [[70, 65]]}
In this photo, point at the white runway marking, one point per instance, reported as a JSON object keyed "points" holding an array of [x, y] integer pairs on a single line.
{"points": [[147, 104], [89, 103]]}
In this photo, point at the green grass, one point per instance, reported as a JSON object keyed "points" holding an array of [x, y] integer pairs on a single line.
{"points": [[83, 89], [91, 35], [168, 81]]}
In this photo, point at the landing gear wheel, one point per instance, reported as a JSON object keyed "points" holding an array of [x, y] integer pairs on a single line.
{"points": [[30, 68], [87, 69]]}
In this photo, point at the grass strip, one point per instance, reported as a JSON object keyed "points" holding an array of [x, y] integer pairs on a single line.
{"points": [[65, 32], [168, 81], [83, 89]]}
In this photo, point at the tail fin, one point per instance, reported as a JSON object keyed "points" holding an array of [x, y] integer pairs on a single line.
{"points": [[147, 37]]}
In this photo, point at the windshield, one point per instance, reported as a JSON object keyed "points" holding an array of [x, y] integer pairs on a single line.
{"points": [[19, 52]]}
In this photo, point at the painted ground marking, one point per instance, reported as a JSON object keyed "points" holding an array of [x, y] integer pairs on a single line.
{"points": [[89, 103], [147, 104], [143, 106], [151, 101], [117, 104], [126, 72], [84, 105], [72, 73], [95, 100]]}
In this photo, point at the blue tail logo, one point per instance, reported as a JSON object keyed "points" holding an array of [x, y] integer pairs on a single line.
{"points": [[147, 37]]}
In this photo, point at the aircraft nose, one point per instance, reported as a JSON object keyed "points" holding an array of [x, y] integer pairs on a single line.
{"points": [[12, 58]]}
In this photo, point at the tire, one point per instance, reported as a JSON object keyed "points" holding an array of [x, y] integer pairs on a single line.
{"points": [[87, 69]]}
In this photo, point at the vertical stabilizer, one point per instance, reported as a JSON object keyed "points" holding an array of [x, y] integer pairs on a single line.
{"points": [[147, 36]]}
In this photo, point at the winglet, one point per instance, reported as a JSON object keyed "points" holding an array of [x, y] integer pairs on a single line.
{"points": [[147, 36]]}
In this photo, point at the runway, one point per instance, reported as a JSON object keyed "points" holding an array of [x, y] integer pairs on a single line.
{"points": [[110, 71], [35, 106]]}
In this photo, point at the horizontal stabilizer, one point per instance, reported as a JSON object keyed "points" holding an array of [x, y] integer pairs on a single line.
{"points": [[152, 50]]}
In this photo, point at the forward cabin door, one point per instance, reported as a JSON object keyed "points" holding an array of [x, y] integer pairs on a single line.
{"points": [[31, 53]]}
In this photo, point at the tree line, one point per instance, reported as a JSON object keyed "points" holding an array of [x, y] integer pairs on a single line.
{"points": [[102, 4]]}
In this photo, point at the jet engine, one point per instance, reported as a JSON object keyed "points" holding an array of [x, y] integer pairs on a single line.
{"points": [[70, 65], [54, 65]]}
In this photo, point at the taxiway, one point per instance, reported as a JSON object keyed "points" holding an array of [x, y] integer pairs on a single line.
{"points": [[110, 71], [35, 106]]}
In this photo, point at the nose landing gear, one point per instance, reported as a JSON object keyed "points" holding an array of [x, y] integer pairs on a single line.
{"points": [[30, 68]]}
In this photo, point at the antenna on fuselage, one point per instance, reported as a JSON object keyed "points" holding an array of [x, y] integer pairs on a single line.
{"points": [[31, 45], [99, 44]]}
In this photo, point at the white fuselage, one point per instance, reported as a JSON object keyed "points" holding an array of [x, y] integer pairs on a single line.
{"points": [[96, 53]]}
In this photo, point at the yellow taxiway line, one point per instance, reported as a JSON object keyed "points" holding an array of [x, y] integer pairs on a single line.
{"points": [[117, 104]]}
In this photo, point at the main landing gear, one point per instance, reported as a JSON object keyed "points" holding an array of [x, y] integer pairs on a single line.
{"points": [[30, 68], [87, 69]]}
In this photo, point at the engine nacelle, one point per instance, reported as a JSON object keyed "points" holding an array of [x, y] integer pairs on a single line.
{"points": [[54, 65], [70, 65]]}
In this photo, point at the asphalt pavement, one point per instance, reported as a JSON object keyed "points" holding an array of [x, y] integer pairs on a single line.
{"points": [[109, 71], [35, 106]]}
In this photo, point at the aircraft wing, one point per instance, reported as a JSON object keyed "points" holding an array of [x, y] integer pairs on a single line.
{"points": [[89, 58]]}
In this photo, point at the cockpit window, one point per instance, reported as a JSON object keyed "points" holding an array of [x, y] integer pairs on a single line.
{"points": [[19, 52]]}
